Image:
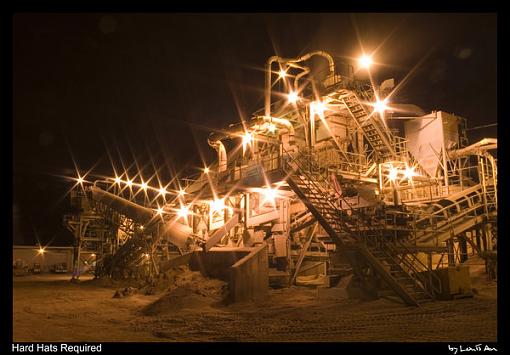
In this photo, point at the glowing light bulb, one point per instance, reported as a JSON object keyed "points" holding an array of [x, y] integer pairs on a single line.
{"points": [[392, 175], [162, 191], [282, 74], [117, 180], [41, 251], [182, 192], [292, 97], [317, 108], [271, 127], [365, 61], [217, 205], [380, 106], [144, 185], [183, 212], [247, 138], [206, 170], [129, 183], [160, 211], [269, 194], [409, 173], [80, 180]]}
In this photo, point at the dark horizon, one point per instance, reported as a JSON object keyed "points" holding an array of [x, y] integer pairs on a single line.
{"points": [[152, 86]]}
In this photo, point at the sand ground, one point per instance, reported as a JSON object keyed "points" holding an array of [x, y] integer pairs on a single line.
{"points": [[50, 308]]}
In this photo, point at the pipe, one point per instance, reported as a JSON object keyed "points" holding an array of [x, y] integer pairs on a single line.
{"points": [[222, 154], [475, 148], [215, 137], [237, 129], [272, 59], [305, 71]]}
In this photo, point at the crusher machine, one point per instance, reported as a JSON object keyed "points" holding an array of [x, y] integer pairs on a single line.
{"points": [[330, 175]]}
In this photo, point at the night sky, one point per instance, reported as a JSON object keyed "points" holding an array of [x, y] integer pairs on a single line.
{"points": [[149, 87]]}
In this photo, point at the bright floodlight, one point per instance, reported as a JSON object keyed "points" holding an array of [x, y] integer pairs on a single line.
{"points": [[292, 97], [380, 106], [247, 138], [282, 73], [271, 127], [318, 108], [41, 251], [409, 173], [392, 175], [365, 61], [217, 205], [183, 212], [270, 194]]}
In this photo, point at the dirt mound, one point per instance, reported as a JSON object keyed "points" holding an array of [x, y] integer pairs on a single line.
{"points": [[189, 290]]}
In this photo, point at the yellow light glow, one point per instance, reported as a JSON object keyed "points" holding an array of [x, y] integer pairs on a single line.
{"points": [[129, 183], [247, 138], [393, 173], [182, 192], [80, 180], [93, 255], [282, 74], [380, 106], [144, 185], [409, 173], [217, 205], [269, 195], [146, 255], [206, 170], [271, 127], [317, 108], [160, 211], [162, 191], [41, 251], [365, 61], [141, 227], [292, 97], [117, 180], [183, 212]]}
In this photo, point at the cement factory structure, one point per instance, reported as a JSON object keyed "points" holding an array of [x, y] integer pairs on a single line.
{"points": [[330, 178]]}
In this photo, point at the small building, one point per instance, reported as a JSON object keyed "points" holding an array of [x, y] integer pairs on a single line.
{"points": [[51, 255]]}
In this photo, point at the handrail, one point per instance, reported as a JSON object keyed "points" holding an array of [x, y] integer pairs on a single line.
{"points": [[411, 264]]}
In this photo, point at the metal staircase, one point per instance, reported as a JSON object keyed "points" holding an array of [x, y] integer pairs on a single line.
{"points": [[377, 135], [401, 274]]}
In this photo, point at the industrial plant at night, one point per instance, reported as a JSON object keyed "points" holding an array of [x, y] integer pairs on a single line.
{"points": [[332, 200]]}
